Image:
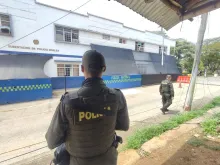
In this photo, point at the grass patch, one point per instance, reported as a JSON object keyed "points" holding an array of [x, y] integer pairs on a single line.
{"points": [[210, 125], [143, 135], [196, 142]]}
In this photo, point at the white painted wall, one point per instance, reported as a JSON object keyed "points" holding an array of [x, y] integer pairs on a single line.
{"points": [[28, 16], [50, 68], [34, 16], [151, 48]]}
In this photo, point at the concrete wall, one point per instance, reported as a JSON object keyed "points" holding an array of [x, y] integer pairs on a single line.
{"points": [[32, 17], [28, 16]]}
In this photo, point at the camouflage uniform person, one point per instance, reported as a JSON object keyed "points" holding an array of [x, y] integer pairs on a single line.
{"points": [[86, 120], [167, 93]]}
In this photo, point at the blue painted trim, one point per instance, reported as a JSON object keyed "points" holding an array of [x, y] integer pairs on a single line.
{"points": [[40, 54]]}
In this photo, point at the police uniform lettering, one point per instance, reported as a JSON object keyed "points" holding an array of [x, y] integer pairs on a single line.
{"points": [[88, 116]]}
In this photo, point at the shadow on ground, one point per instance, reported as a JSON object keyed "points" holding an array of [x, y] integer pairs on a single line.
{"points": [[194, 151], [198, 152]]}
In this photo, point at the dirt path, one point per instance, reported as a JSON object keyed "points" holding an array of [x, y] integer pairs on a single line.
{"points": [[180, 152]]}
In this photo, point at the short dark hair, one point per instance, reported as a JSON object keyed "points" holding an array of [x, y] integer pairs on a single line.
{"points": [[93, 62]]}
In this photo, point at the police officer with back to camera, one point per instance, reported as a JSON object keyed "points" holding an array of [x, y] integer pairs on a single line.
{"points": [[167, 93], [85, 121]]}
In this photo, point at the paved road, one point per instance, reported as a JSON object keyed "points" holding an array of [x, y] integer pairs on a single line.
{"points": [[23, 126], [209, 80]]}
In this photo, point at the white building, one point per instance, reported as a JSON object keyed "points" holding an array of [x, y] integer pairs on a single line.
{"points": [[64, 40]]}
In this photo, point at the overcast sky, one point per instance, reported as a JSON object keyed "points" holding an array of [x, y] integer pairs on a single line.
{"points": [[115, 11]]}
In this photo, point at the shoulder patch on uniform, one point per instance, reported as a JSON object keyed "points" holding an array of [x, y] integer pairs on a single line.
{"points": [[69, 96], [63, 96], [117, 89]]}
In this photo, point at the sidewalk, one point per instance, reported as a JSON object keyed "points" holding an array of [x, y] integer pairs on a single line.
{"points": [[28, 122]]}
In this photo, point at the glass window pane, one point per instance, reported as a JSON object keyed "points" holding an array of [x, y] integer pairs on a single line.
{"points": [[75, 35], [58, 28], [5, 23], [67, 30], [5, 18], [75, 70], [106, 37], [67, 71], [60, 65], [67, 37], [59, 35], [60, 72], [68, 65]]}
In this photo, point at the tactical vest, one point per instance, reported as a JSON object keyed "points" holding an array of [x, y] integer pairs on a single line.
{"points": [[165, 87], [92, 122]]}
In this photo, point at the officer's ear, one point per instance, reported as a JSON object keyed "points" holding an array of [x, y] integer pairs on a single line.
{"points": [[104, 69], [82, 68]]}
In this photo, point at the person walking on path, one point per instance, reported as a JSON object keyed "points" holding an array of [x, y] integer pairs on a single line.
{"points": [[167, 93]]}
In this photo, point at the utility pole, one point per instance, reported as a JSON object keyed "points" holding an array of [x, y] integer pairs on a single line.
{"points": [[190, 93], [162, 49]]}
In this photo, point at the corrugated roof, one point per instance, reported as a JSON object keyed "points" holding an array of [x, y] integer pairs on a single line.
{"points": [[168, 13], [155, 11]]}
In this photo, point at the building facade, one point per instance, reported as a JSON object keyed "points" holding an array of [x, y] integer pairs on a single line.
{"points": [[37, 40]]}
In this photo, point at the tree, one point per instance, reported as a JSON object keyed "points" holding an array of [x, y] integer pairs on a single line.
{"points": [[184, 53], [211, 56]]}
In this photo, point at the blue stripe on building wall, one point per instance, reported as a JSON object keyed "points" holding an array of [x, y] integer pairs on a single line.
{"points": [[40, 54], [119, 81], [21, 90]]}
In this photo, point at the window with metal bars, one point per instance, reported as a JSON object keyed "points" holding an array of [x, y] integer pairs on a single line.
{"points": [[139, 46], [69, 35], [106, 37], [67, 70], [164, 49], [122, 41], [5, 25]]}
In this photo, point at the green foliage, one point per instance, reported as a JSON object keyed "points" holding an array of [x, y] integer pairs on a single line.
{"points": [[143, 135], [196, 142], [184, 53], [211, 56], [210, 125]]}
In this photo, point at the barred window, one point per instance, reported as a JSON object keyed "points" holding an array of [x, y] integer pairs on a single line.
{"points": [[122, 41], [139, 46], [67, 70], [164, 49], [106, 37], [5, 26], [67, 34]]}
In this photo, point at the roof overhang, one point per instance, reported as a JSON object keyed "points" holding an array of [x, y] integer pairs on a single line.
{"points": [[168, 13]]}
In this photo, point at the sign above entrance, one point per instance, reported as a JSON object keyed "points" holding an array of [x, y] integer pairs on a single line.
{"points": [[32, 48]]}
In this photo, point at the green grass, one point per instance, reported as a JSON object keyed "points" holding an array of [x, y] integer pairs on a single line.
{"points": [[210, 125], [196, 142], [143, 135]]}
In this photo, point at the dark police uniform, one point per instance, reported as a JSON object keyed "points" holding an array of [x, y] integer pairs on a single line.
{"points": [[167, 93], [86, 121]]}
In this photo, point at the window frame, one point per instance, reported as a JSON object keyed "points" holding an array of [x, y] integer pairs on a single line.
{"points": [[71, 72], [163, 48], [136, 48], [73, 41], [10, 25], [122, 39], [106, 35]]}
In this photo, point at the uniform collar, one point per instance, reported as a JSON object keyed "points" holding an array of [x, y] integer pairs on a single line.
{"points": [[93, 82]]}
